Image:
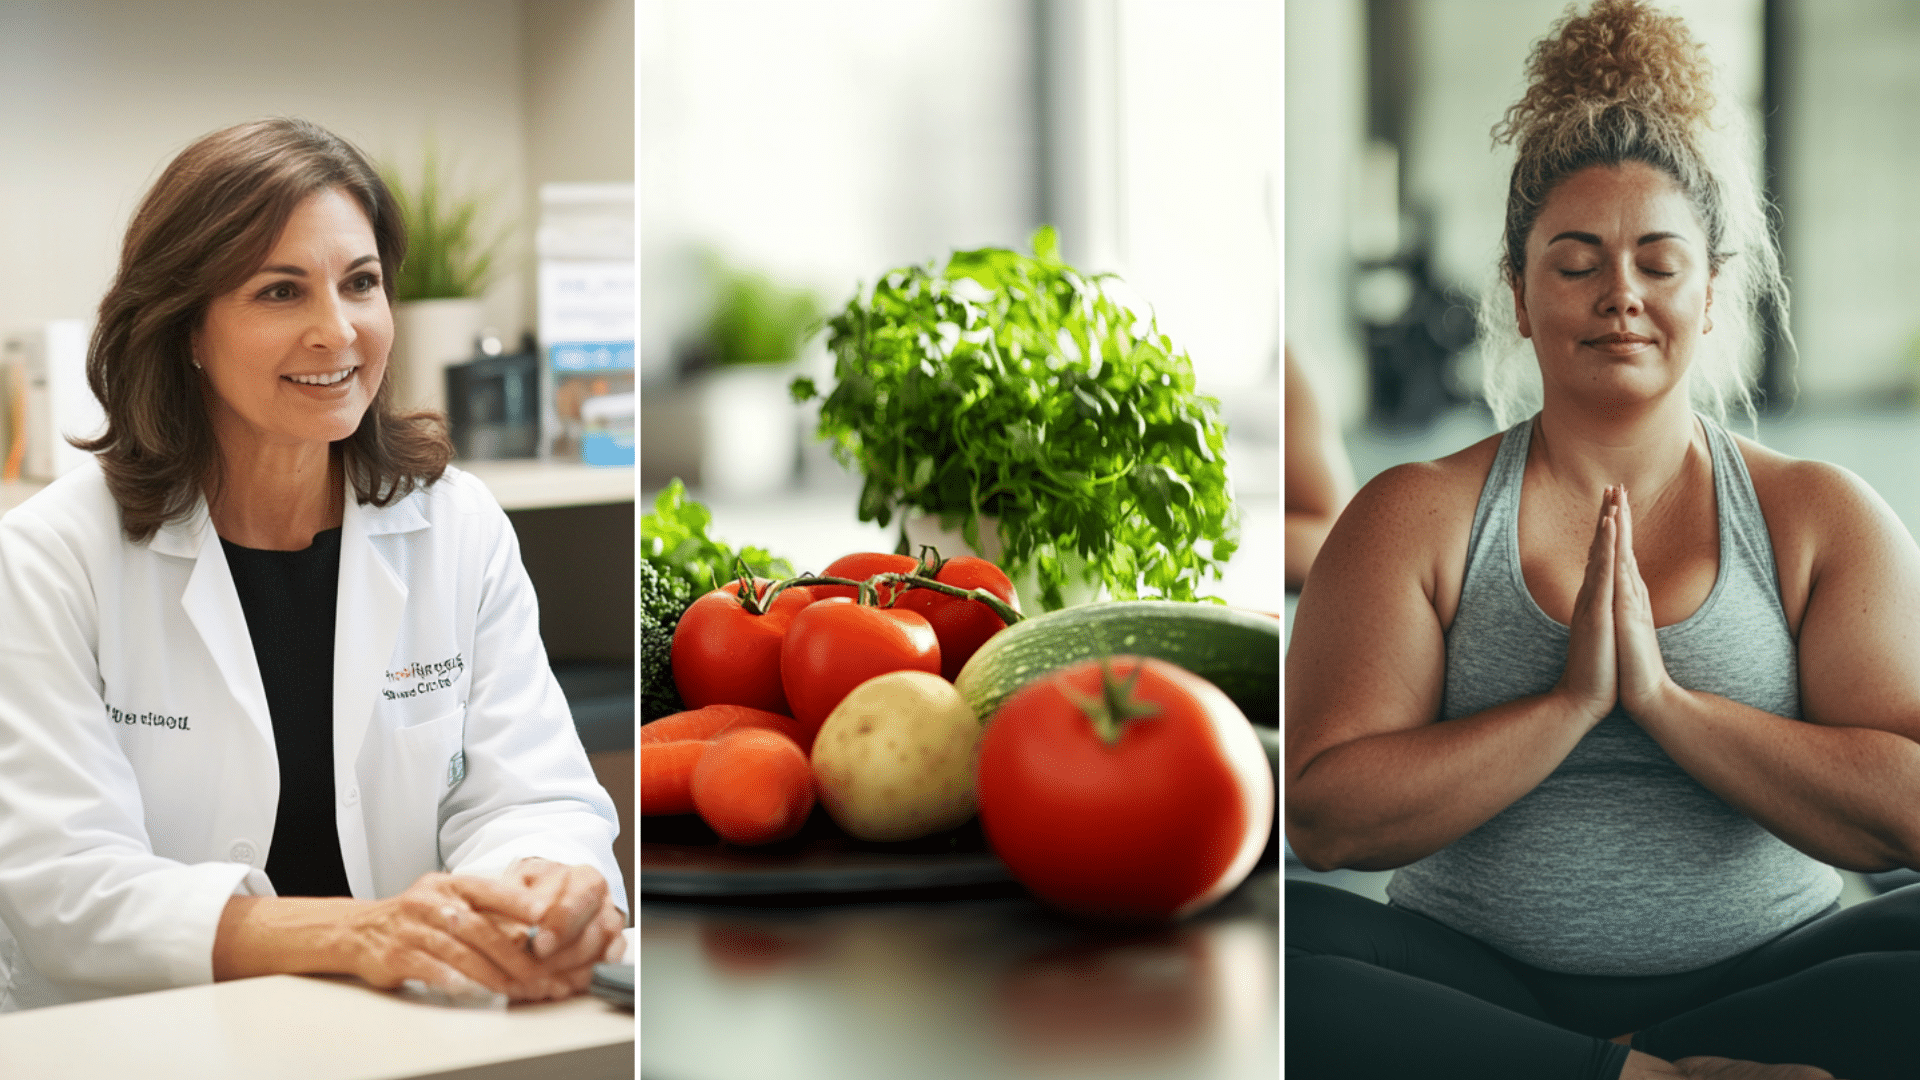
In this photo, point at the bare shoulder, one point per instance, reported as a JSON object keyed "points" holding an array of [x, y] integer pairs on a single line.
{"points": [[1415, 517], [1823, 520], [1422, 494], [1816, 503]]}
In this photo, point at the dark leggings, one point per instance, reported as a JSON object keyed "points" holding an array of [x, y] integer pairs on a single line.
{"points": [[1378, 991]]}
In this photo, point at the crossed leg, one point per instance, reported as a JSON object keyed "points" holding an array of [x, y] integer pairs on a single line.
{"points": [[1376, 991]]}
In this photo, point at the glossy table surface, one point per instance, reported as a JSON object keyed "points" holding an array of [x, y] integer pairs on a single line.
{"points": [[969, 982]]}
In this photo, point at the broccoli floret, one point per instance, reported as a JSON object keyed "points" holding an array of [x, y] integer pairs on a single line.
{"points": [[663, 596]]}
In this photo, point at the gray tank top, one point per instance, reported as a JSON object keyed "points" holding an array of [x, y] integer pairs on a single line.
{"points": [[1619, 863]]}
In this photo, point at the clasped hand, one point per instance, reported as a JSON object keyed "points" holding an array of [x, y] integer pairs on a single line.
{"points": [[446, 929], [1613, 653]]}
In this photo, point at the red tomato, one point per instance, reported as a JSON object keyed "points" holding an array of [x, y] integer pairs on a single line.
{"points": [[859, 567], [1155, 825], [724, 654], [962, 625], [836, 644]]}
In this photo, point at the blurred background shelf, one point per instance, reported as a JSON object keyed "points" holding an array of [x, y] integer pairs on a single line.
{"points": [[529, 484]]}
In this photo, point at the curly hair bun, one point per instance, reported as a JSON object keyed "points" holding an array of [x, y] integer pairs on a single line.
{"points": [[1622, 54]]}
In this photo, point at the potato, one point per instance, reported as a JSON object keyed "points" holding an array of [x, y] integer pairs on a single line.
{"points": [[895, 758]]}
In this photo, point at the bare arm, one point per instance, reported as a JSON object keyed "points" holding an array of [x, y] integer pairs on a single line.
{"points": [[1318, 479], [296, 935], [1374, 781], [1845, 786]]}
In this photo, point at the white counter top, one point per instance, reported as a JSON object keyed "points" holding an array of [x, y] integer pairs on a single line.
{"points": [[291, 1027], [528, 484]]}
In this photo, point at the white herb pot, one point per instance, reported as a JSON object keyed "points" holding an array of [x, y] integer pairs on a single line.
{"points": [[750, 437], [1083, 585], [730, 433], [428, 337]]}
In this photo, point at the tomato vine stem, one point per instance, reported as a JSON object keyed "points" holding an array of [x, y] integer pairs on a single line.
{"points": [[870, 586]]}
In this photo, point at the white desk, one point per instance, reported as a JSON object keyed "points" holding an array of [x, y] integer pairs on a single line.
{"points": [[292, 1027]]}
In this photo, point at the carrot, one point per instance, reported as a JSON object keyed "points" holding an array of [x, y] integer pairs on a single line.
{"points": [[801, 734], [754, 786], [666, 775], [712, 721]]}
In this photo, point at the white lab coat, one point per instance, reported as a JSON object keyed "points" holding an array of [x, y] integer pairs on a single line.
{"points": [[138, 780]]}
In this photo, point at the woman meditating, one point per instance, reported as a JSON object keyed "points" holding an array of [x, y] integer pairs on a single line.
{"points": [[1612, 692]]}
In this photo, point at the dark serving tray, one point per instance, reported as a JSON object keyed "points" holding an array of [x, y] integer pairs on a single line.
{"points": [[681, 858]]}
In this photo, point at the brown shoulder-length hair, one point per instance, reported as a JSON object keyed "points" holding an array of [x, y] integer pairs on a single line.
{"points": [[208, 225]]}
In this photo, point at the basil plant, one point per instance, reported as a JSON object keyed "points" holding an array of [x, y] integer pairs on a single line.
{"points": [[1015, 387]]}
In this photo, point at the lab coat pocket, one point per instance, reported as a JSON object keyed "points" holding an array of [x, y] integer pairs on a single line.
{"points": [[433, 752], [423, 763]]}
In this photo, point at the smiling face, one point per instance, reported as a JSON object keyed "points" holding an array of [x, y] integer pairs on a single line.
{"points": [[293, 356], [1616, 287]]}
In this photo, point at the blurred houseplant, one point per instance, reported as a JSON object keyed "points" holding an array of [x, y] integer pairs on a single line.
{"points": [[1010, 401], [755, 320], [731, 423], [451, 260]]}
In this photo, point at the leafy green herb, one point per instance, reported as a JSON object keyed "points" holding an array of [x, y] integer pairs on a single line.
{"points": [[674, 539], [1014, 386]]}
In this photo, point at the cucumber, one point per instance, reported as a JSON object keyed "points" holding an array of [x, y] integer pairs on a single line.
{"points": [[1237, 651]]}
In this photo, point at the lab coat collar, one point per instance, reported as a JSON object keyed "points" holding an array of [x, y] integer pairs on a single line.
{"points": [[182, 537], [400, 516]]}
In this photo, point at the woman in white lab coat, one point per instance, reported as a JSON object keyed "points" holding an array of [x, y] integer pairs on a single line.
{"points": [[272, 694]]}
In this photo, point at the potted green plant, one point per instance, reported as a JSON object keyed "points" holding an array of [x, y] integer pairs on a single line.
{"points": [[755, 320], [451, 260], [730, 422], [1016, 403]]}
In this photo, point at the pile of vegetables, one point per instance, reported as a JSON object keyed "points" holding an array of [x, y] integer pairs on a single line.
{"points": [[679, 561], [1106, 748]]}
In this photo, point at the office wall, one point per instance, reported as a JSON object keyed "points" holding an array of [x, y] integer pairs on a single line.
{"points": [[97, 95], [578, 87]]}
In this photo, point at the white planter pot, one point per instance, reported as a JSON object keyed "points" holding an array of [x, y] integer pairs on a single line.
{"points": [[429, 336], [750, 444], [732, 433], [1083, 584]]}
